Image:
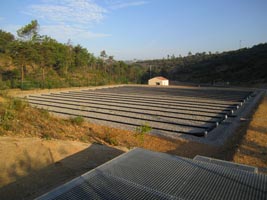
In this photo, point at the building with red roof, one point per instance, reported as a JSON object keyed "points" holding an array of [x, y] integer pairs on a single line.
{"points": [[159, 80]]}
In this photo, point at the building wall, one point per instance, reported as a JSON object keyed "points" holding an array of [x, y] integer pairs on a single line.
{"points": [[155, 81], [165, 82]]}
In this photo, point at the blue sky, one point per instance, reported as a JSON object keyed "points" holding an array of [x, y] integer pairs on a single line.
{"points": [[143, 29]]}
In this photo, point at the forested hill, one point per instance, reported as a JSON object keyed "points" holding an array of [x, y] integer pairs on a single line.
{"points": [[247, 65], [30, 60]]}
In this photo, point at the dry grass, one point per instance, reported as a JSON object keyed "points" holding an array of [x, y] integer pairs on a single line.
{"points": [[253, 147], [25, 121]]}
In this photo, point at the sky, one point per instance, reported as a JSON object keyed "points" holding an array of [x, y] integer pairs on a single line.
{"points": [[143, 29]]}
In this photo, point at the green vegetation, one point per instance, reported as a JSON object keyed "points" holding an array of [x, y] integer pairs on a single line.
{"points": [[31, 60], [77, 120], [9, 110], [141, 131], [110, 140], [245, 65], [38, 61], [17, 118]]}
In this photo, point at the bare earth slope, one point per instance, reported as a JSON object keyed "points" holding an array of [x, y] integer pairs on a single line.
{"points": [[253, 147], [31, 166]]}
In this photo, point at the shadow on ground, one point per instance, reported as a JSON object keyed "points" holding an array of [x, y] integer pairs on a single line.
{"points": [[41, 181]]}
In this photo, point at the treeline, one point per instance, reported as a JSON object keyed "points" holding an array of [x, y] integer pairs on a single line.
{"points": [[31, 60], [244, 66]]}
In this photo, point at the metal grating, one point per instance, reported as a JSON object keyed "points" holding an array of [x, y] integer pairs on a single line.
{"points": [[142, 174], [227, 164]]}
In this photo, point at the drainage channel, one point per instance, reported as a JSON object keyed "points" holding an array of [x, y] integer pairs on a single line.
{"points": [[188, 93], [164, 100], [194, 98], [159, 102], [128, 116], [225, 108], [192, 130], [223, 112], [201, 133], [120, 110], [143, 107]]}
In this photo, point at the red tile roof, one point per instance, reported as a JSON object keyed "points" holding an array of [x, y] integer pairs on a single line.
{"points": [[160, 78]]}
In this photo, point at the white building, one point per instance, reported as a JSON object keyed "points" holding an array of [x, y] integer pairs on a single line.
{"points": [[159, 80]]}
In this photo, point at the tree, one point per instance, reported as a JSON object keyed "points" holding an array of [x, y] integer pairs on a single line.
{"points": [[22, 54], [81, 56], [5, 39], [29, 31], [92, 62], [168, 56], [110, 62], [45, 58], [103, 56], [189, 53]]}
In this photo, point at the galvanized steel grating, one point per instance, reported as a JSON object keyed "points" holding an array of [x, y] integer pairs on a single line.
{"points": [[142, 174], [227, 164]]}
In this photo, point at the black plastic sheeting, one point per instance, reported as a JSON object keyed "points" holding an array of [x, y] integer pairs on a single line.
{"points": [[142, 174]]}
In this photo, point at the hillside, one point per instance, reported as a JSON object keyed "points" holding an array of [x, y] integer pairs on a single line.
{"points": [[247, 65], [30, 60]]}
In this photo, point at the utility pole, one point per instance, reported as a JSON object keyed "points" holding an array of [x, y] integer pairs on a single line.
{"points": [[150, 71], [240, 44]]}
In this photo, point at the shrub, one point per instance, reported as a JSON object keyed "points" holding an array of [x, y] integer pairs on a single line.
{"points": [[9, 110], [3, 85], [79, 120], [17, 104], [111, 140], [44, 113], [144, 128], [3, 93], [46, 136], [6, 119], [141, 131]]}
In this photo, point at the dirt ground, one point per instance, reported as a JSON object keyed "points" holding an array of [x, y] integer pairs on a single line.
{"points": [[252, 149], [31, 166]]}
